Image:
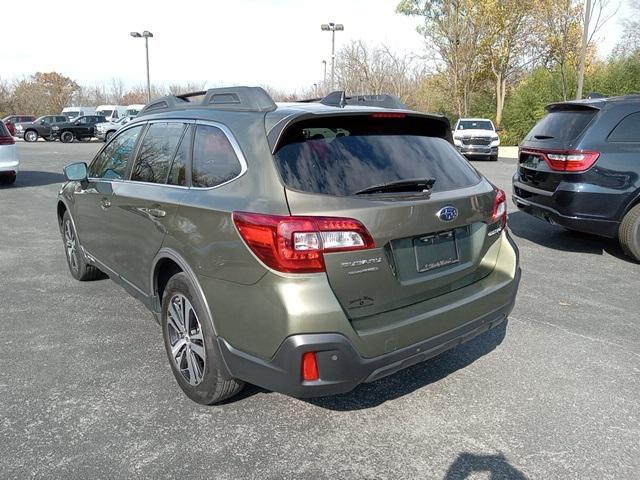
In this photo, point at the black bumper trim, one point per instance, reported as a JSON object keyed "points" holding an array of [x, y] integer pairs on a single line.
{"points": [[341, 367]]}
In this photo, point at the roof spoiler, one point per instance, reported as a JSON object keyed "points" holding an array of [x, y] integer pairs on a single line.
{"points": [[340, 99], [239, 99]]}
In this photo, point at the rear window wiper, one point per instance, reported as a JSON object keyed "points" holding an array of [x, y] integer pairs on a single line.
{"points": [[412, 185], [543, 137]]}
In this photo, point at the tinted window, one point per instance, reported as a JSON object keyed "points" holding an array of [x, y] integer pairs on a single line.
{"points": [[214, 160], [628, 130], [564, 125], [111, 163], [474, 124], [82, 120], [61, 119], [178, 172], [341, 155], [156, 152]]}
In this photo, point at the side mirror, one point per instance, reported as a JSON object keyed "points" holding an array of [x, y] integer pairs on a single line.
{"points": [[76, 172]]}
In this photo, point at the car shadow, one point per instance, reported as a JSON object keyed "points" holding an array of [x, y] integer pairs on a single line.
{"points": [[555, 237], [496, 466], [31, 178], [370, 395]]}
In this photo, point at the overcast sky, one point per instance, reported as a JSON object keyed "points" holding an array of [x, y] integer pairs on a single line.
{"points": [[274, 42]]}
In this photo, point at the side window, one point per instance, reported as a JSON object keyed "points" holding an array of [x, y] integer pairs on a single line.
{"points": [[214, 160], [61, 119], [47, 120], [157, 149], [111, 163], [628, 130], [178, 172]]}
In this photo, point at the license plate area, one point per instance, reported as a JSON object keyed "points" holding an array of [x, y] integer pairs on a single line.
{"points": [[436, 250]]}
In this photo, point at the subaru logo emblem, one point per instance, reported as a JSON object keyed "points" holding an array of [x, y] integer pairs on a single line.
{"points": [[448, 213]]}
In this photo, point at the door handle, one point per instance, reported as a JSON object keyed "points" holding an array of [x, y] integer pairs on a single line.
{"points": [[156, 212], [105, 203]]}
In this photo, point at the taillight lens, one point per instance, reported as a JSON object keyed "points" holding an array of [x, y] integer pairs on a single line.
{"points": [[567, 160], [297, 244], [500, 208], [7, 141], [310, 372]]}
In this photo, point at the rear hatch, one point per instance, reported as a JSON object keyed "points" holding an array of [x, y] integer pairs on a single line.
{"points": [[431, 233], [548, 153]]}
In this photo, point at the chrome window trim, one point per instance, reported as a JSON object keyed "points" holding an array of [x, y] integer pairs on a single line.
{"points": [[227, 132]]}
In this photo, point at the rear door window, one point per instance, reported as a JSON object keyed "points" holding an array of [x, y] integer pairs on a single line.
{"points": [[562, 125], [156, 152], [178, 171], [628, 130], [342, 155], [111, 162], [214, 159]]}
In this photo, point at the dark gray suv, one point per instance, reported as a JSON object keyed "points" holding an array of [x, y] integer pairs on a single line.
{"points": [[303, 247]]}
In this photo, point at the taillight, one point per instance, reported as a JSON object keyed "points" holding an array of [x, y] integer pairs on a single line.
{"points": [[500, 208], [7, 141], [297, 244], [310, 372], [567, 160], [388, 115]]}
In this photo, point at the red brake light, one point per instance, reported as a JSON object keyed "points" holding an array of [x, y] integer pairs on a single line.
{"points": [[388, 115], [310, 371], [500, 208], [566, 160], [297, 244]]}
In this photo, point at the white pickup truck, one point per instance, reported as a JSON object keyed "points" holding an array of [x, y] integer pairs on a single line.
{"points": [[476, 137]]}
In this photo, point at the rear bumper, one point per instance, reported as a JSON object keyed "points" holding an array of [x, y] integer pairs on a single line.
{"points": [[341, 367], [545, 206], [9, 163]]}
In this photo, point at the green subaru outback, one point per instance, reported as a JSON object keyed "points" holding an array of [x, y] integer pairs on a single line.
{"points": [[303, 247]]}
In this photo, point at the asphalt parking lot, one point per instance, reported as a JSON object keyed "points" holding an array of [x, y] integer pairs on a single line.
{"points": [[86, 390]]}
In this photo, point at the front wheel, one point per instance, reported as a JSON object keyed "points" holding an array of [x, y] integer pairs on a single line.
{"points": [[629, 233], [30, 136], [191, 345], [493, 158], [66, 137], [79, 268]]}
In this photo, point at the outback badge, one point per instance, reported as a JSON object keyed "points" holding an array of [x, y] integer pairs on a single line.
{"points": [[448, 213]]}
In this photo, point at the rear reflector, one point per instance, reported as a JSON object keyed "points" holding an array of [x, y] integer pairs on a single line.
{"points": [[500, 208], [566, 160], [297, 244], [310, 371]]}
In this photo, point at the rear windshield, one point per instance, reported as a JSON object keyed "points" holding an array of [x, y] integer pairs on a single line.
{"points": [[563, 125], [342, 155]]}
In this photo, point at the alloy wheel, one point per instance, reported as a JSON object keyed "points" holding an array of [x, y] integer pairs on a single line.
{"points": [[186, 339], [71, 245]]}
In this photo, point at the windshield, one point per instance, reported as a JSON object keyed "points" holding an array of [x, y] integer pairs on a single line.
{"points": [[343, 155], [475, 125], [106, 113]]}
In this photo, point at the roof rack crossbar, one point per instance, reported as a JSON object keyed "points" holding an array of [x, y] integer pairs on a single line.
{"points": [[243, 99]]}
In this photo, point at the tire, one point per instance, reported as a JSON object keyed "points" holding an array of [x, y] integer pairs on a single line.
{"points": [[108, 135], [8, 179], [629, 233], [66, 137], [493, 158], [30, 136], [197, 364], [78, 266]]}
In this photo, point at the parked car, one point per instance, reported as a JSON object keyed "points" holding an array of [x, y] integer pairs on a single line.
{"points": [[104, 131], [133, 110], [11, 121], [476, 137], [74, 112], [263, 268], [579, 167], [82, 128], [8, 157], [111, 112], [41, 127]]}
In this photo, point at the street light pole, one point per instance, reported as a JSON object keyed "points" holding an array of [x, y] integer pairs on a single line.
{"points": [[324, 80], [146, 35], [332, 27]]}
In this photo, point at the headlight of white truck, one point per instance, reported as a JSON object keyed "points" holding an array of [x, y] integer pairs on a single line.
{"points": [[495, 141]]}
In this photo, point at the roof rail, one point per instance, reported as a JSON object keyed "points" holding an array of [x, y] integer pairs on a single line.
{"points": [[340, 99], [240, 99]]}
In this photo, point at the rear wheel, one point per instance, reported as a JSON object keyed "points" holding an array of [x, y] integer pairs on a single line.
{"points": [[30, 136], [629, 233], [79, 268], [66, 137], [191, 345]]}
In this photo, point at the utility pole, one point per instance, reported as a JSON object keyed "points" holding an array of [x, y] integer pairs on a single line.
{"points": [[583, 49], [324, 81], [332, 27], [146, 35]]}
